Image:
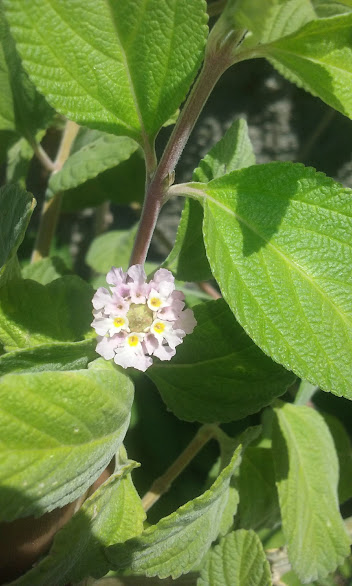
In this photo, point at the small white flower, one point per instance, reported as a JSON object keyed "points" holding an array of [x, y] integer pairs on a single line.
{"points": [[136, 320]]}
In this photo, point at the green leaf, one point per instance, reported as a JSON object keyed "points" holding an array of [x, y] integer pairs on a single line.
{"points": [[290, 579], [325, 8], [318, 58], [64, 356], [227, 446], [188, 260], [278, 239], [7, 139], [122, 185], [112, 249], [16, 207], [238, 560], [272, 19], [11, 271], [112, 514], [258, 496], [7, 115], [188, 257], [102, 152], [218, 374], [233, 151], [18, 161], [46, 270], [126, 76], [344, 453], [306, 469], [178, 542], [33, 314], [22, 108], [58, 431]]}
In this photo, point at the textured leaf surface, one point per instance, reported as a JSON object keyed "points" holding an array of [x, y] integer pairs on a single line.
{"points": [[16, 206], [238, 560], [278, 239], [318, 58], [306, 468], [22, 108], [188, 257], [103, 152], [218, 374], [65, 356], [272, 19], [32, 314], [258, 495], [122, 185], [112, 514], [178, 542], [112, 249], [58, 431], [46, 270], [123, 67]]}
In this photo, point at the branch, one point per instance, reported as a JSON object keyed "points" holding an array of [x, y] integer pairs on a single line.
{"points": [[51, 208], [163, 483], [159, 184]]}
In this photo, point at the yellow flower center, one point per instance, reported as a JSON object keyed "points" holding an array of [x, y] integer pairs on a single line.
{"points": [[119, 322], [159, 327], [139, 317], [133, 340], [155, 302]]}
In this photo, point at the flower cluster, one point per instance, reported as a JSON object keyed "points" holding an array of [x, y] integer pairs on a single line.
{"points": [[135, 320]]}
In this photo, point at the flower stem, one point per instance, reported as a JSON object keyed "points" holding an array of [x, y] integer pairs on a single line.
{"points": [[51, 208], [213, 68], [163, 483]]}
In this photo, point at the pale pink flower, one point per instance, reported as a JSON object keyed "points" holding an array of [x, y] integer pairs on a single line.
{"points": [[136, 320]]}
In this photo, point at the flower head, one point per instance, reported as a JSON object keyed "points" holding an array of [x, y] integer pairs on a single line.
{"points": [[136, 320]]}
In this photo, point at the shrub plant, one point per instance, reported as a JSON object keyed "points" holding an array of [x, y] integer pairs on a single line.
{"points": [[240, 358]]}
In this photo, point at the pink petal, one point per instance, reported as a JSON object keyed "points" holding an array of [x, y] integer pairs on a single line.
{"points": [[164, 282], [118, 306], [186, 321], [126, 358], [177, 295], [150, 343], [115, 276], [106, 346], [171, 312], [139, 292], [137, 274], [102, 324], [164, 352], [101, 297]]}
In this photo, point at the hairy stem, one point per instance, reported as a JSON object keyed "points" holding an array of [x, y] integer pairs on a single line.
{"points": [[51, 208], [163, 483], [212, 69]]}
